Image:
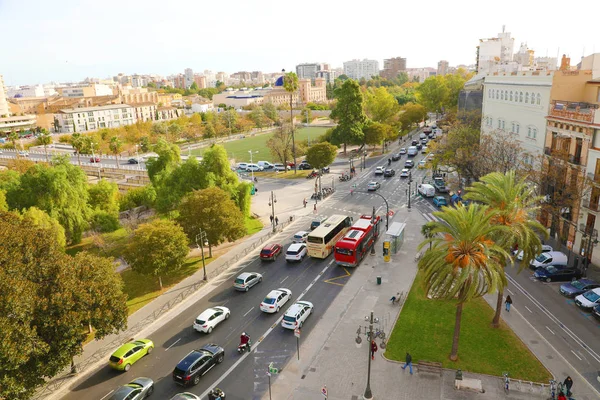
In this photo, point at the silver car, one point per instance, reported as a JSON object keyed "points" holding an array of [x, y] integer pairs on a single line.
{"points": [[246, 280], [185, 396], [137, 389]]}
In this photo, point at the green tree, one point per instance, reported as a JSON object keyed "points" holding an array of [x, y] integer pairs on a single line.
{"points": [[44, 139], [210, 131], [271, 112], [115, 146], [427, 231], [375, 133], [145, 144], [13, 136], [78, 143], [104, 195], [410, 115], [258, 116], [160, 129], [213, 211], [194, 87], [455, 83], [41, 219], [349, 114], [433, 93], [290, 84], [229, 119], [512, 204], [175, 131], [280, 144], [173, 184], [321, 155], [306, 115], [464, 262], [3, 203], [46, 308], [380, 105], [157, 248], [168, 157]]}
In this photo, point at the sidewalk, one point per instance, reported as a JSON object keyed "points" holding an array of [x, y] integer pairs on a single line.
{"points": [[331, 357]]}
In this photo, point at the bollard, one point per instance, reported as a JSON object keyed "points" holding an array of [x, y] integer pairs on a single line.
{"points": [[379, 280]]}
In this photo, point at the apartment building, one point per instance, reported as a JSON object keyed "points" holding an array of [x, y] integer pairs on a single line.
{"points": [[91, 90], [308, 70], [94, 118], [392, 67], [309, 93], [443, 68], [4, 109], [357, 69]]}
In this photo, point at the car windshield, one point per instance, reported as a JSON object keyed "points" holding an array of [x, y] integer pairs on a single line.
{"points": [[289, 318], [343, 251], [239, 281], [577, 285], [298, 236], [265, 251], [591, 296], [269, 300], [200, 321], [541, 258]]}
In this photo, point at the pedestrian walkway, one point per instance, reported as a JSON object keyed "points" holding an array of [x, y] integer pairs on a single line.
{"points": [[330, 356]]}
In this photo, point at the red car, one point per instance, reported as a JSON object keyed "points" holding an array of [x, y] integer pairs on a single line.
{"points": [[94, 159], [270, 251], [290, 164]]}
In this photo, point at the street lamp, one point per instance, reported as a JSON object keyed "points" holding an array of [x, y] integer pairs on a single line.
{"points": [[200, 240], [370, 336], [272, 202], [409, 182], [591, 236], [252, 169], [364, 160], [94, 157]]}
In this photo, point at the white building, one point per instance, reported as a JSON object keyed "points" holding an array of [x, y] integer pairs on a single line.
{"points": [[518, 103], [27, 91], [494, 51], [93, 118], [94, 89], [4, 108], [357, 69], [201, 107], [307, 70]]}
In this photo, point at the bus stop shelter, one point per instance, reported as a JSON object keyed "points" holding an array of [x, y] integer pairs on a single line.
{"points": [[395, 235]]}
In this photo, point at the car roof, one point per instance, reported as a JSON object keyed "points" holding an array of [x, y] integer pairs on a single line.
{"points": [[301, 233], [190, 358], [244, 275], [404, 169], [211, 348], [297, 306], [208, 312], [271, 246], [123, 392], [276, 292], [126, 347], [296, 246], [440, 197]]}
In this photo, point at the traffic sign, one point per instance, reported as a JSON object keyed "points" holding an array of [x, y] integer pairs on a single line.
{"points": [[272, 370], [297, 332], [324, 391], [390, 213]]}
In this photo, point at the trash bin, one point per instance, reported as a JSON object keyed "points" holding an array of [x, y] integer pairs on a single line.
{"points": [[379, 280], [291, 218]]}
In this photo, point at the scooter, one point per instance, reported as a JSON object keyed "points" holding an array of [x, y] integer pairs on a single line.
{"points": [[243, 347], [216, 394]]}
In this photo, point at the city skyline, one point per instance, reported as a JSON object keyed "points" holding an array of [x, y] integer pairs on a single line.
{"points": [[75, 40]]}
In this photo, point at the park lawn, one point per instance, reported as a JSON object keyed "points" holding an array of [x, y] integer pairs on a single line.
{"points": [[425, 328], [284, 175], [253, 225], [238, 149], [115, 244]]}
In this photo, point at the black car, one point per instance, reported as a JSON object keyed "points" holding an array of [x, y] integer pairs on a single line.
{"points": [[409, 164], [414, 142], [389, 172], [305, 166], [551, 273], [396, 157], [133, 161], [197, 363], [419, 146]]}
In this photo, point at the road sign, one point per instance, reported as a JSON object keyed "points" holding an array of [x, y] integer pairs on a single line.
{"points": [[390, 213], [297, 332], [324, 391], [272, 370]]}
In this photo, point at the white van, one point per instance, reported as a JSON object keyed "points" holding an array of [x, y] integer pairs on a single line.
{"points": [[412, 151], [265, 165], [549, 258], [426, 190]]}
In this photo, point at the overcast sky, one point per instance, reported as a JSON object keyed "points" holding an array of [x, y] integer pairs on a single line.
{"points": [[69, 40]]}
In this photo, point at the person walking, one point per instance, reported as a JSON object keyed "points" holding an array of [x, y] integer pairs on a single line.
{"points": [[373, 349], [408, 363], [508, 302], [276, 221], [568, 384], [271, 218], [304, 203]]}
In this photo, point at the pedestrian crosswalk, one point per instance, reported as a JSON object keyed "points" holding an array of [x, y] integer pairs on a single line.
{"points": [[430, 217]]}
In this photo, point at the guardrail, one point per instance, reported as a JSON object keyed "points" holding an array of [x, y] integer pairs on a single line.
{"points": [[63, 378]]}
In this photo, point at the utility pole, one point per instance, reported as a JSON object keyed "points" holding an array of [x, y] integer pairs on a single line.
{"points": [[409, 182], [368, 395]]}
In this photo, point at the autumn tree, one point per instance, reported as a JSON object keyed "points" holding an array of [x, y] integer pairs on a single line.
{"points": [[349, 114], [375, 133], [45, 139], [410, 115], [380, 105], [433, 93], [157, 248], [321, 155], [213, 211], [41, 219], [280, 144]]}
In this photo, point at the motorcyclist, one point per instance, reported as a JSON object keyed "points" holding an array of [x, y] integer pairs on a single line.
{"points": [[389, 161], [245, 340], [216, 394]]}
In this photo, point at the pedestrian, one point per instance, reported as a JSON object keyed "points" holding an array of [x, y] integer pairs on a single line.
{"points": [[305, 203], [271, 218], [373, 349], [508, 302], [315, 207], [276, 221], [568, 384], [408, 362]]}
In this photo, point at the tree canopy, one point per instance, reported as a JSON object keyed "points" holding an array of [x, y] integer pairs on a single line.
{"points": [[349, 114], [321, 155]]}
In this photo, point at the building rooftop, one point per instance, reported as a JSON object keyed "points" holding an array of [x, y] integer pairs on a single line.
{"points": [[99, 108]]}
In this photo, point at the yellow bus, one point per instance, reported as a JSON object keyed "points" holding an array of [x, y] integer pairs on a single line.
{"points": [[322, 240]]}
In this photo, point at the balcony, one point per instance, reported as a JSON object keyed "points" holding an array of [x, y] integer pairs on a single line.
{"points": [[575, 159], [547, 151], [591, 205], [583, 112], [593, 177]]}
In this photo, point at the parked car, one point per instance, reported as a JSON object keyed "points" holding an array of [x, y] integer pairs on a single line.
{"points": [[405, 173], [402, 151], [551, 273], [305, 166], [440, 185], [242, 166], [210, 318], [409, 164], [275, 300], [137, 389], [296, 252], [253, 168], [575, 288], [279, 167], [270, 251], [422, 164], [94, 159], [596, 312], [545, 249], [300, 237], [373, 186], [129, 353], [246, 280], [197, 363], [426, 190], [549, 258], [396, 157], [588, 300], [185, 396], [134, 161], [265, 165], [296, 315], [388, 173], [379, 170], [439, 201], [425, 149], [290, 164]]}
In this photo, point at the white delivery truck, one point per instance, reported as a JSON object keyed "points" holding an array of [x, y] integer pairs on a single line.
{"points": [[426, 190]]}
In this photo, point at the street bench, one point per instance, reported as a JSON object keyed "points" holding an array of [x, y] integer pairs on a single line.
{"points": [[431, 367]]}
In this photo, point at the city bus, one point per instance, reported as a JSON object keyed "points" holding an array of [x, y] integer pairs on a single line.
{"points": [[320, 242], [350, 250]]}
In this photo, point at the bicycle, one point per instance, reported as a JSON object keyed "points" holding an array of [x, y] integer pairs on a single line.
{"points": [[552, 389], [506, 382]]}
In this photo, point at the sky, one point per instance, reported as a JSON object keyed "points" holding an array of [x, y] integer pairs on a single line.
{"points": [[69, 40]]}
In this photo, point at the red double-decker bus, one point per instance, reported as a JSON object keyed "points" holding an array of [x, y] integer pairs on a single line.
{"points": [[350, 250]]}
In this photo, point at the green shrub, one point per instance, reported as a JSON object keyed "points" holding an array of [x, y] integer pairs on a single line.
{"points": [[144, 196], [104, 222]]}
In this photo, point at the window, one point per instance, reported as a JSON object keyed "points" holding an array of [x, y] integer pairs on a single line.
{"points": [[502, 95], [526, 97], [532, 98], [529, 131], [538, 99], [511, 95], [534, 132], [513, 127], [518, 128], [497, 94], [520, 97]]}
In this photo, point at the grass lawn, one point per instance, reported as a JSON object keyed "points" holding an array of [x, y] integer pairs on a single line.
{"points": [[238, 149], [425, 330], [285, 175], [114, 244], [253, 225]]}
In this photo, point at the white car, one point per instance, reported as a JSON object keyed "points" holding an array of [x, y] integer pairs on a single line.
{"points": [[373, 186], [296, 315], [545, 248], [275, 300], [242, 166], [246, 280], [300, 237], [279, 167], [23, 153], [253, 168], [185, 396], [210, 318], [296, 252], [404, 173], [379, 170], [422, 164], [403, 150], [588, 300]]}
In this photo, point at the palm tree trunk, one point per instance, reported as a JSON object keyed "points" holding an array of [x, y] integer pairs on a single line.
{"points": [[46, 152], [117, 159], [78, 158], [496, 320], [293, 138], [457, 320]]}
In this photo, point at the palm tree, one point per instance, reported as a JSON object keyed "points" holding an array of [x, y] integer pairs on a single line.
{"points": [[78, 143], [512, 203], [290, 84], [426, 231], [13, 136], [45, 139], [464, 262], [115, 146]]}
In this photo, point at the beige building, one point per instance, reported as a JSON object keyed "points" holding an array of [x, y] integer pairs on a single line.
{"points": [[312, 94], [443, 67], [93, 118], [145, 111], [392, 67], [4, 110]]}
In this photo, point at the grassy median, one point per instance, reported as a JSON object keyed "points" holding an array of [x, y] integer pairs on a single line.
{"points": [[425, 328]]}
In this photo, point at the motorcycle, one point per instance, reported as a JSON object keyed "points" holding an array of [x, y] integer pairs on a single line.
{"points": [[344, 178], [216, 394], [243, 347], [312, 175]]}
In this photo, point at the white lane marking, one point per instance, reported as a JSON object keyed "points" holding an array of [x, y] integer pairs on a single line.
{"points": [[284, 279], [509, 291], [248, 312], [255, 345], [528, 309], [580, 359], [377, 211], [109, 393], [174, 343], [550, 330]]}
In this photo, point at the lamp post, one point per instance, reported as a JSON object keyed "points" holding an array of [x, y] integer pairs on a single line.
{"points": [[200, 239], [94, 158], [369, 333], [408, 191], [272, 202], [252, 170], [591, 236], [364, 160]]}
